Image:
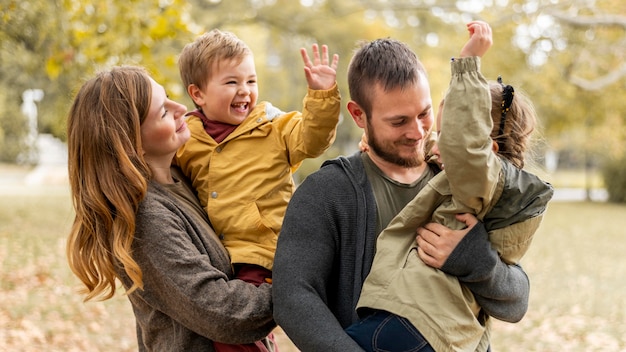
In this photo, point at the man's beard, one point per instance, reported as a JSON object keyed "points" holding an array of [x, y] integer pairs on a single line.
{"points": [[388, 152]]}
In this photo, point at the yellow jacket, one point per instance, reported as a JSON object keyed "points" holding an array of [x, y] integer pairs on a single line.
{"points": [[245, 182]]}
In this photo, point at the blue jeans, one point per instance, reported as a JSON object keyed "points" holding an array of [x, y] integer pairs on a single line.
{"points": [[382, 331]]}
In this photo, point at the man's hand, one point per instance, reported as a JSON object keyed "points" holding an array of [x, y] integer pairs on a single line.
{"points": [[436, 242], [320, 74], [480, 39]]}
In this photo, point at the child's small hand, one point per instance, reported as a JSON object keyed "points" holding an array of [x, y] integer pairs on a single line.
{"points": [[363, 146], [480, 39], [320, 74]]}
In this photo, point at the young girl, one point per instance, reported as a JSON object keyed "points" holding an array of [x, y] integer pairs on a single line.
{"points": [[407, 304]]}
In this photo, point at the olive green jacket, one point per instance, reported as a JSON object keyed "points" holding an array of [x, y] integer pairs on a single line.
{"points": [[510, 201]]}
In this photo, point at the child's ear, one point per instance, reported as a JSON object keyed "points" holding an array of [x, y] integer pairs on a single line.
{"points": [[357, 113], [196, 94], [494, 146]]}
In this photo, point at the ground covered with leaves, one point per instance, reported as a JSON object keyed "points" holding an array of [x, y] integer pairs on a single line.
{"points": [[576, 266]]}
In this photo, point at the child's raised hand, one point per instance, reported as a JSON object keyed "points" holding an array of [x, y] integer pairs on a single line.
{"points": [[480, 39], [320, 73]]}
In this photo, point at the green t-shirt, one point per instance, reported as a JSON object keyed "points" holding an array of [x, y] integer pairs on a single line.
{"points": [[391, 196]]}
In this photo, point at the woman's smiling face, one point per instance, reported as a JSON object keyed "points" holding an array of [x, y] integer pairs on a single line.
{"points": [[164, 130]]}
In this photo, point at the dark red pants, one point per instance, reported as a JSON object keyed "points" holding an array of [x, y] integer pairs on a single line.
{"points": [[256, 275], [248, 347]]}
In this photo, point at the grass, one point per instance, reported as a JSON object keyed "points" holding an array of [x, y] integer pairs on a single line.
{"points": [[41, 309], [576, 267], [571, 178]]}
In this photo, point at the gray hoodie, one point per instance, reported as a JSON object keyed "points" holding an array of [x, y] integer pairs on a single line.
{"points": [[189, 298]]}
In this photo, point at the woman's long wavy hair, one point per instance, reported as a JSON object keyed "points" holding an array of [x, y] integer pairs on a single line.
{"points": [[108, 177]]}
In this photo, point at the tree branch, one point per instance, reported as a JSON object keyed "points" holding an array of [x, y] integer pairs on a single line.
{"points": [[590, 21], [601, 82]]}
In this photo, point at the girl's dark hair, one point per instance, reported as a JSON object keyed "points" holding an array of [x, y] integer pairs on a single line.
{"points": [[519, 123]]}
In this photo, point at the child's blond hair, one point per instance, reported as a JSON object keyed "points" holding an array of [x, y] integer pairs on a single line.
{"points": [[199, 58]]}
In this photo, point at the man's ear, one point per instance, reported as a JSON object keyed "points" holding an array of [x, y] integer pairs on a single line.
{"points": [[357, 113], [196, 94]]}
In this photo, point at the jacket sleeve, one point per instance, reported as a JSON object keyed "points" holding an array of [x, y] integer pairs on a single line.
{"points": [[465, 142], [314, 132], [473, 171], [304, 267], [500, 289], [182, 282]]}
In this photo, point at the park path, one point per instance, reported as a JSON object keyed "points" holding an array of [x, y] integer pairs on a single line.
{"points": [[49, 175]]}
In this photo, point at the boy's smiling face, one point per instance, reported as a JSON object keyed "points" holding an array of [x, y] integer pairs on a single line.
{"points": [[231, 91]]}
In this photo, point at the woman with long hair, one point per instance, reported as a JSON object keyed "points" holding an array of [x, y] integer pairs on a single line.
{"points": [[138, 221]]}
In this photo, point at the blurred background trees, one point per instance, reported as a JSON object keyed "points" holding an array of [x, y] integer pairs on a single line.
{"points": [[568, 55]]}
